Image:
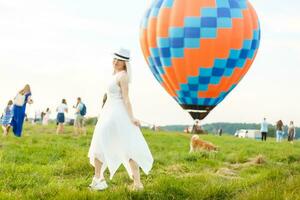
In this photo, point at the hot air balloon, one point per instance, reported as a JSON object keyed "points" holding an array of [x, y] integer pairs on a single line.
{"points": [[199, 50]]}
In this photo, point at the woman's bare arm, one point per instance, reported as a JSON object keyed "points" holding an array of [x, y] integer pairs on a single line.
{"points": [[123, 81], [29, 100]]}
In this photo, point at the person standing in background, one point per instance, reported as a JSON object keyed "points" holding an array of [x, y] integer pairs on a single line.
{"points": [[61, 110], [38, 117], [220, 132], [21, 100], [291, 132], [264, 130], [46, 117], [7, 117], [79, 117], [279, 131], [196, 128]]}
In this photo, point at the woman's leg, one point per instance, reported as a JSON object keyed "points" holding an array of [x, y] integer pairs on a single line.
{"points": [[76, 128], [98, 182], [58, 128], [98, 167], [83, 129], [135, 174], [8, 129], [4, 130], [62, 128]]}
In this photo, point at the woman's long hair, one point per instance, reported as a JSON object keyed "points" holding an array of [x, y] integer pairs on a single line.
{"points": [[104, 99], [10, 102], [127, 68], [279, 125]]}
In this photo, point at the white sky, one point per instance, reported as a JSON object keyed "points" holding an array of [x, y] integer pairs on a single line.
{"points": [[62, 49]]}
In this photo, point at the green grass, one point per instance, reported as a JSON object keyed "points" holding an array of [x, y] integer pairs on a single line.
{"points": [[42, 165]]}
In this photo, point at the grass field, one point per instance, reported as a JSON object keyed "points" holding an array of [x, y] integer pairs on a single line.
{"points": [[42, 165]]}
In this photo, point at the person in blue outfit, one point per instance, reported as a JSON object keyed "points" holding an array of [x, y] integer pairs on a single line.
{"points": [[7, 116], [20, 102]]}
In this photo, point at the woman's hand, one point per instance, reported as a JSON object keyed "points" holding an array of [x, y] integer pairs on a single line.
{"points": [[136, 122]]}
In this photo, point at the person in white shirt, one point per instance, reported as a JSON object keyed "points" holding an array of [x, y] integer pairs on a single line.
{"points": [[61, 110], [264, 129]]}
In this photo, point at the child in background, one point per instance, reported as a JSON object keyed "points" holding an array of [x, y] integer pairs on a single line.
{"points": [[6, 120]]}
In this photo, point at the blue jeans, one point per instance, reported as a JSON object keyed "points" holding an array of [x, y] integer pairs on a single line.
{"points": [[279, 136]]}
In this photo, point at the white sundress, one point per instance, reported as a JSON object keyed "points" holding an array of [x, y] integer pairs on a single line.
{"points": [[116, 139]]}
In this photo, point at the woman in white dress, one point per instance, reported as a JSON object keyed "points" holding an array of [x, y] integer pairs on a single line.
{"points": [[46, 117], [117, 138]]}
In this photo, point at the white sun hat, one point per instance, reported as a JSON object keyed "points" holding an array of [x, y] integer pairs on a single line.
{"points": [[124, 54]]}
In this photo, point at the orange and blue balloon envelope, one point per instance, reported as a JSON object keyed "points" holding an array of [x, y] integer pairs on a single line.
{"points": [[199, 50]]}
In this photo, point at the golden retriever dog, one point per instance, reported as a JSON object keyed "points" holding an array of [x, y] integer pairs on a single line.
{"points": [[198, 144]]}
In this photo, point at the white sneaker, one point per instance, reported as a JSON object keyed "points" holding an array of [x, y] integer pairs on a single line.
{"points": [[93, 184], [98, 184]]}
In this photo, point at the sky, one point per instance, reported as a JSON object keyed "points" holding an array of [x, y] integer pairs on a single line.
{"points": [[63, 48]]}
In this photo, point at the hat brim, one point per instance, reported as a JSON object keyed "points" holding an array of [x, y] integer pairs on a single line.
{"points": [[120, 57]]}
